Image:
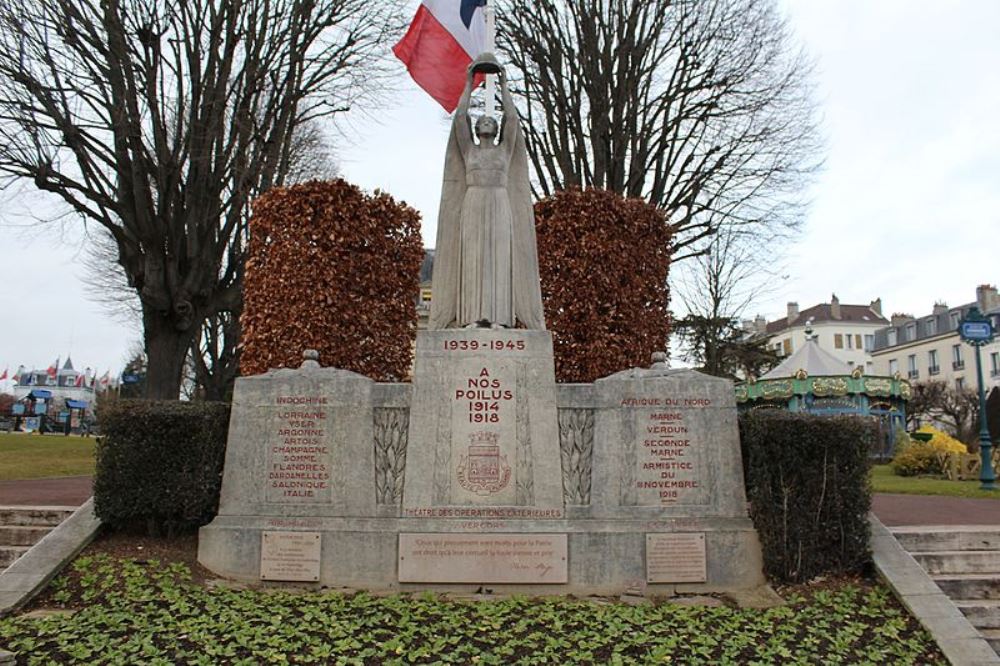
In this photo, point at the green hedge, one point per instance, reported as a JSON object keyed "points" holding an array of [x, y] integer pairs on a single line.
{"points": [[809, 491], [159, 464]]}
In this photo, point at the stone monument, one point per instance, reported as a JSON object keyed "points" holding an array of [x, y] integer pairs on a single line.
{"points": [[484, 471]]}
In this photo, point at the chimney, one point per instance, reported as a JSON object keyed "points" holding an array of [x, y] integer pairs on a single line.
{"points": [[835, 306], [793, 312], [940, 308], [876, 306], [760, 324], [987, 297], [900, 318]]}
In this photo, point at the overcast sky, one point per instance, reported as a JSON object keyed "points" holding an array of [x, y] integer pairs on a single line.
{"points": [[907, 207]]}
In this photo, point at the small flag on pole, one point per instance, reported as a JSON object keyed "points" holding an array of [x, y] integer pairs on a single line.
{"points": [[443, 40], [4, 375]]}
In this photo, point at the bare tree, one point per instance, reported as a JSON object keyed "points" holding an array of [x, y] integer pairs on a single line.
{"points": [[160, 119], [938, 403], [716, 288], [701, 107]]}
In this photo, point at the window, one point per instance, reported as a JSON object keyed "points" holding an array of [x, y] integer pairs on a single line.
{"points": [[857, 341], [953, 319], [931, 326], [932, 362], [786, 346], [994, 364], [869, 343], [911, 366], [849, 340], [957, 363], [893, 366], [911, 331], [891, 334], [838, 340], [960, 383]]}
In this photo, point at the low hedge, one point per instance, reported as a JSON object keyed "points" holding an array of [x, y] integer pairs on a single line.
{"points": [[809, 491], [159, 464]]}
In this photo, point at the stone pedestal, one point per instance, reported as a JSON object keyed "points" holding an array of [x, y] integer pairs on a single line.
{"points": [[483, 471], [483, 427]]}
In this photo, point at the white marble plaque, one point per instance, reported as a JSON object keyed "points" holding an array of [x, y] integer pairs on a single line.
{"points": [[483, 558], [677, 557], [290, 556]]}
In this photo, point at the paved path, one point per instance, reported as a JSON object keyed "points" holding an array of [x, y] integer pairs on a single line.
{"points": [[53, 491], [935, 510]]}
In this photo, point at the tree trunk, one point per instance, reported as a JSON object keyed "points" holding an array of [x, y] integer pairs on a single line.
{"points": [[166, 350]]}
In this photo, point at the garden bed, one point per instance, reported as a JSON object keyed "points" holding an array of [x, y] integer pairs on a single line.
{"points": [[127, 601]]}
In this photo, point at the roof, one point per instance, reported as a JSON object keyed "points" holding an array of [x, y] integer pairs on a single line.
{"points": [[76, 404], [824, 312], [427, 266], [814, 360], [68, 365]]}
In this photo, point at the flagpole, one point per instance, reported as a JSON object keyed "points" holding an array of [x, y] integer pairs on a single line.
{"points": [[491, 38]]}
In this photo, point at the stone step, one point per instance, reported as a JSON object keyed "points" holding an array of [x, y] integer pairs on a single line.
{"points": [[992, 637], [959, 561], [35, 515], [918, 539], [982, 613], [969, 586], [10, 553], [22, 535]]}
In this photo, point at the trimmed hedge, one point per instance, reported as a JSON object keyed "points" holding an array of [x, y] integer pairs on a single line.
{"points": [[603, 262], [808, 484], [159, 464], [334, 269]]}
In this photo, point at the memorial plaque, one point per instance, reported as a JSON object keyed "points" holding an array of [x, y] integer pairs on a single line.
{"points": [[290, 556], [483, 558], [668, 461], [298, 453], [484, 432], [677, 557]]}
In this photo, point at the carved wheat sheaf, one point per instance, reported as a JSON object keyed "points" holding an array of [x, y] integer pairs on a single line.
{"points": [[391, 427], [576, 443]]}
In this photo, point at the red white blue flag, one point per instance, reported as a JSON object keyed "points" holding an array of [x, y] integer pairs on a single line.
{"points": [[443, 40]]}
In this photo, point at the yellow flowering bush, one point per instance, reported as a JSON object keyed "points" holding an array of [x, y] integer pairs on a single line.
{"points": [[930, 457]]}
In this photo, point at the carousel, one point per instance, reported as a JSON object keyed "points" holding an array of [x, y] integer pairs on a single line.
{"points": [[813, 380]]}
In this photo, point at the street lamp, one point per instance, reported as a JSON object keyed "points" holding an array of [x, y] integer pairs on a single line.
{"points": [[977, 330]]}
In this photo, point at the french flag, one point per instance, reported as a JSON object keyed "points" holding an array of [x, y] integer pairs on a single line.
{"points": [[443, 40]]}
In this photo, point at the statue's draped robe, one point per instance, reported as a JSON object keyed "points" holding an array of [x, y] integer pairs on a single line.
{"points": [[486, 259]]}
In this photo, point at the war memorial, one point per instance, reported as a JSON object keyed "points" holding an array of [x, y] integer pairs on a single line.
{"points": [[483, 471]]}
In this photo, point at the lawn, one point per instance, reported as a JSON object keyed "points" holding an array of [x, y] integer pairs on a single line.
{"points": [[884, 481], [120, 610], [31, 456]]}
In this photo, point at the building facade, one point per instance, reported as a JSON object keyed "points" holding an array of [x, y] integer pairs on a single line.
{"points": [[928, 348], [845, 331]]}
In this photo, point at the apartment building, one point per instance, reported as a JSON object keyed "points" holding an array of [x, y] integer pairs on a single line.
{"points": [[928, 348]]}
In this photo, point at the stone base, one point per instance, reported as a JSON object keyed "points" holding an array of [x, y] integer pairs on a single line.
{"points": [[605, 557]]}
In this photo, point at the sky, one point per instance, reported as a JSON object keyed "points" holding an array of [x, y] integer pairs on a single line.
{"points": [[906, 207]]}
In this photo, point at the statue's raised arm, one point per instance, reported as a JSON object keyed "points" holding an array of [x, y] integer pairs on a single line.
{"points": [[486, 261]]}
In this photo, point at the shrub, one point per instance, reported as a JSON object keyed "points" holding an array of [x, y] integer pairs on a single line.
{"points": [[808, 486], [333, 269], [159, 464], [926, 457], [603, 262]]}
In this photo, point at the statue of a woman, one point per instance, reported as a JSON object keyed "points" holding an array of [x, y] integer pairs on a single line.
{"points": [[486, 261]]}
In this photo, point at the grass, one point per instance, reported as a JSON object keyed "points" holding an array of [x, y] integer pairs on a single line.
{"points": [[128, 611], [31, 456], [884, 481]]}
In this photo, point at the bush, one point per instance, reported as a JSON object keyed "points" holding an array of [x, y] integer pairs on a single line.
{"points": [[159, 464], [333, 269], [916, 456], [808, 486], [603, 262]]}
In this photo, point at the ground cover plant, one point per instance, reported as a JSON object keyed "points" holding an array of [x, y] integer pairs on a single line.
{"points": [[33, 456], [884, 480], [122, 610]]}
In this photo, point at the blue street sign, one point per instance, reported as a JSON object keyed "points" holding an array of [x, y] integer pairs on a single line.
{"points": [[131, 379], [976, 330]]}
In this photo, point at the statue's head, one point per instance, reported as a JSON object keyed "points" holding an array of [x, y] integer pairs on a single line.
{"points": [[487, 128]]}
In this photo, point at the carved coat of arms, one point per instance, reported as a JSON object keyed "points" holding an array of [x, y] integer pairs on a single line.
{"points": [[483, 470]]}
